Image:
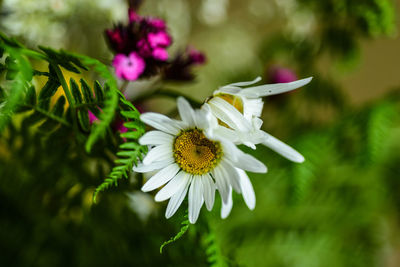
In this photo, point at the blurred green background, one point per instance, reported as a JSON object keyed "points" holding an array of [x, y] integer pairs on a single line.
{"points": [[339, 208]]}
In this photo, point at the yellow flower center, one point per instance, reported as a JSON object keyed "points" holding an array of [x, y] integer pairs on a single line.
{"points": [[235, 101], [195, 153]]}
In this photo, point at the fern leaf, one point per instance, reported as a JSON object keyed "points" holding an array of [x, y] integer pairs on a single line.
{"points": [[110, 103], [214, 256], [16, 93], [184, 227], [130, 151], [379, 124]]}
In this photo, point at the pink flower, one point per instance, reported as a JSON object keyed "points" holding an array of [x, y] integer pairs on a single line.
{"points": [[196, 57], [160, 39], [133, 16], [92, 117], [128, 67], [119, 126], [281, 75], [160, 54], [115, 39], [157, 23], [144, 48]]}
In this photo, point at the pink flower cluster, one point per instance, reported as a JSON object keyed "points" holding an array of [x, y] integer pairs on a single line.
{"points": [[140, 47]]}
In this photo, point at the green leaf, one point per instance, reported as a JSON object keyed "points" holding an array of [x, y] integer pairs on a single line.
{"points": [[110, 103], [16, 93], [83, 118], [98, 91], [58, 108], [63, 59], [184, 227], [2, 94], [12, 68], [129, 152], [31, 96], [49, 89], [87, 92], [76, 93], [131, 135]]}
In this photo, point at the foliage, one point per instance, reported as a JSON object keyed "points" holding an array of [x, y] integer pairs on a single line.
{"points": [[184, 227], [129, 151], [339, 208]]}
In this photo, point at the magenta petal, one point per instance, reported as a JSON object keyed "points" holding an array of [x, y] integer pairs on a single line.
{"points": [[119, 59], [160, 54], [159, 39], [282, 75], [157, 23], [128, 67], [92, 117], [133, 16], [196, 57]]}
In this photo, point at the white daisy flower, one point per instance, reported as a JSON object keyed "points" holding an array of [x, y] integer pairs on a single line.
{"points": [[188, 159], [239, 109]]}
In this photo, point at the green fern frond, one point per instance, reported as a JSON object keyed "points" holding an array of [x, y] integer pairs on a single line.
{"points": [[130, 151], [110, 102], [380, 123], [23, 74], [184, 227], [213, 252]]}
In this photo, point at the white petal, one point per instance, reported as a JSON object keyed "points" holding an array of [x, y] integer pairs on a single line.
{"points": [[223, 133], [156, 138], [229, 114], [161, 122], [177, 198], [221, 182], [185, 111], [161, 177], [247, 162], [230, 150], [208, 191], [227, 207], [158, 153], [274, 89], [252, 107], [195, 199], [247, 189], [152, 166], [232, 175], [282, 148], [172, 187], [256, 80]]}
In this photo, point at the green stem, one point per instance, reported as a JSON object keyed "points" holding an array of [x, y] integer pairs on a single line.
{"points": [[64, 85], [49, 115], [33, 54], [70, 99], [81, 105]]}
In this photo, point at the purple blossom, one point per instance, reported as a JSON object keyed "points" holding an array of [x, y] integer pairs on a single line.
{"points": [[159, 39], [128, 67], [140, 46], [281, 75], [92, 117], [196, 57], [157, 24], [133, 16], [180, 68], [160, 54]]}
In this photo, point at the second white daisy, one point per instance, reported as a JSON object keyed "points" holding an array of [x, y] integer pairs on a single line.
{"points": [[239, 109], [188, 159]]}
